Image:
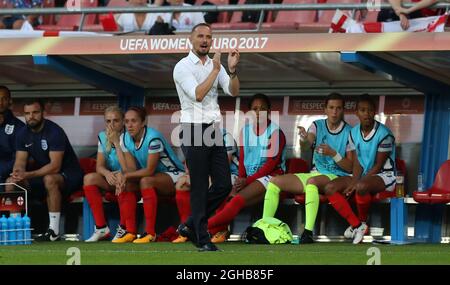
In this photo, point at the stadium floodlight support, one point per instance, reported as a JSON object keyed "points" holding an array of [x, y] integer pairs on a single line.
{"points": [[203, 8], [129, 94]]}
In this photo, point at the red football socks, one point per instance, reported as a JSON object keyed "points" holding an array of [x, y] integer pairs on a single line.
{"points": [[150, 200], [343, 208]]}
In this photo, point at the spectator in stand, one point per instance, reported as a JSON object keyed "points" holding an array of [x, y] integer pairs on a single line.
{"points": [[16, 21], [133, 22], [419, 6], [418, 10], [183, 21]]}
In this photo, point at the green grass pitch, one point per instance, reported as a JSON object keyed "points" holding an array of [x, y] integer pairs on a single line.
{"points": [[233, 253]]}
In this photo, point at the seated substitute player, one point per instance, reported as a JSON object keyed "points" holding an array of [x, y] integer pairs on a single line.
{"points": [[158, 169], [373, 145], [9, 126], [110, 159], [328, 137], [58, 170], [261, 156]]}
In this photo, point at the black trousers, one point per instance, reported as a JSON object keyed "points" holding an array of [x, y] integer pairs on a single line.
{"points": [[206, 157]]}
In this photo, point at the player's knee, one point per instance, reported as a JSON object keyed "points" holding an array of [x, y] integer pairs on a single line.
{"points": [[275, 180], [147, 182], [9, 188], [330, 189], [131, 187], [312, 180], [362, 188], [181, 184], [50, 181], [183, 189], [90, 179]]}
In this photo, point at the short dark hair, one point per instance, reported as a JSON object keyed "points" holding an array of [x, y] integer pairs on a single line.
{"points": [[31, 101], [260, 96], [6, 90], [366, 98], [334, 96], [142, 113], [199, 25]]}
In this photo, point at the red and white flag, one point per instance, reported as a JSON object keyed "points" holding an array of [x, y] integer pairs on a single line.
{"points": [[343, 23]]}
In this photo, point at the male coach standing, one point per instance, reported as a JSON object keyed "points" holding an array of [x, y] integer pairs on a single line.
{"points": [[197, 77]]}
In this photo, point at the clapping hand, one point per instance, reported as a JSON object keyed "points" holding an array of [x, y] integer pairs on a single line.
{"points": [[233, 60], [216, 61], [302, 132]]}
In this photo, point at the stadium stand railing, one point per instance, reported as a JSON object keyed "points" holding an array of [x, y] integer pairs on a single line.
{"points": [[223, 17], [73, 22], [304, 15]]}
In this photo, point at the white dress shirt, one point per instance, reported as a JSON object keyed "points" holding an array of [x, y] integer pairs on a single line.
{"points": [[188, 74]]}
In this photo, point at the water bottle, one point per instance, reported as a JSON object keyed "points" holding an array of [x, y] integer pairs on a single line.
{"points": [[420, 187], [19, 230], [3, 232], [27, 229], [400, 187], [11, 230]]}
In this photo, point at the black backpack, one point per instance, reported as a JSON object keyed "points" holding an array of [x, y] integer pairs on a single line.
{"points": [[210, 17], [255, 235], [268, 230], [253, 16], [161, 28]]}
